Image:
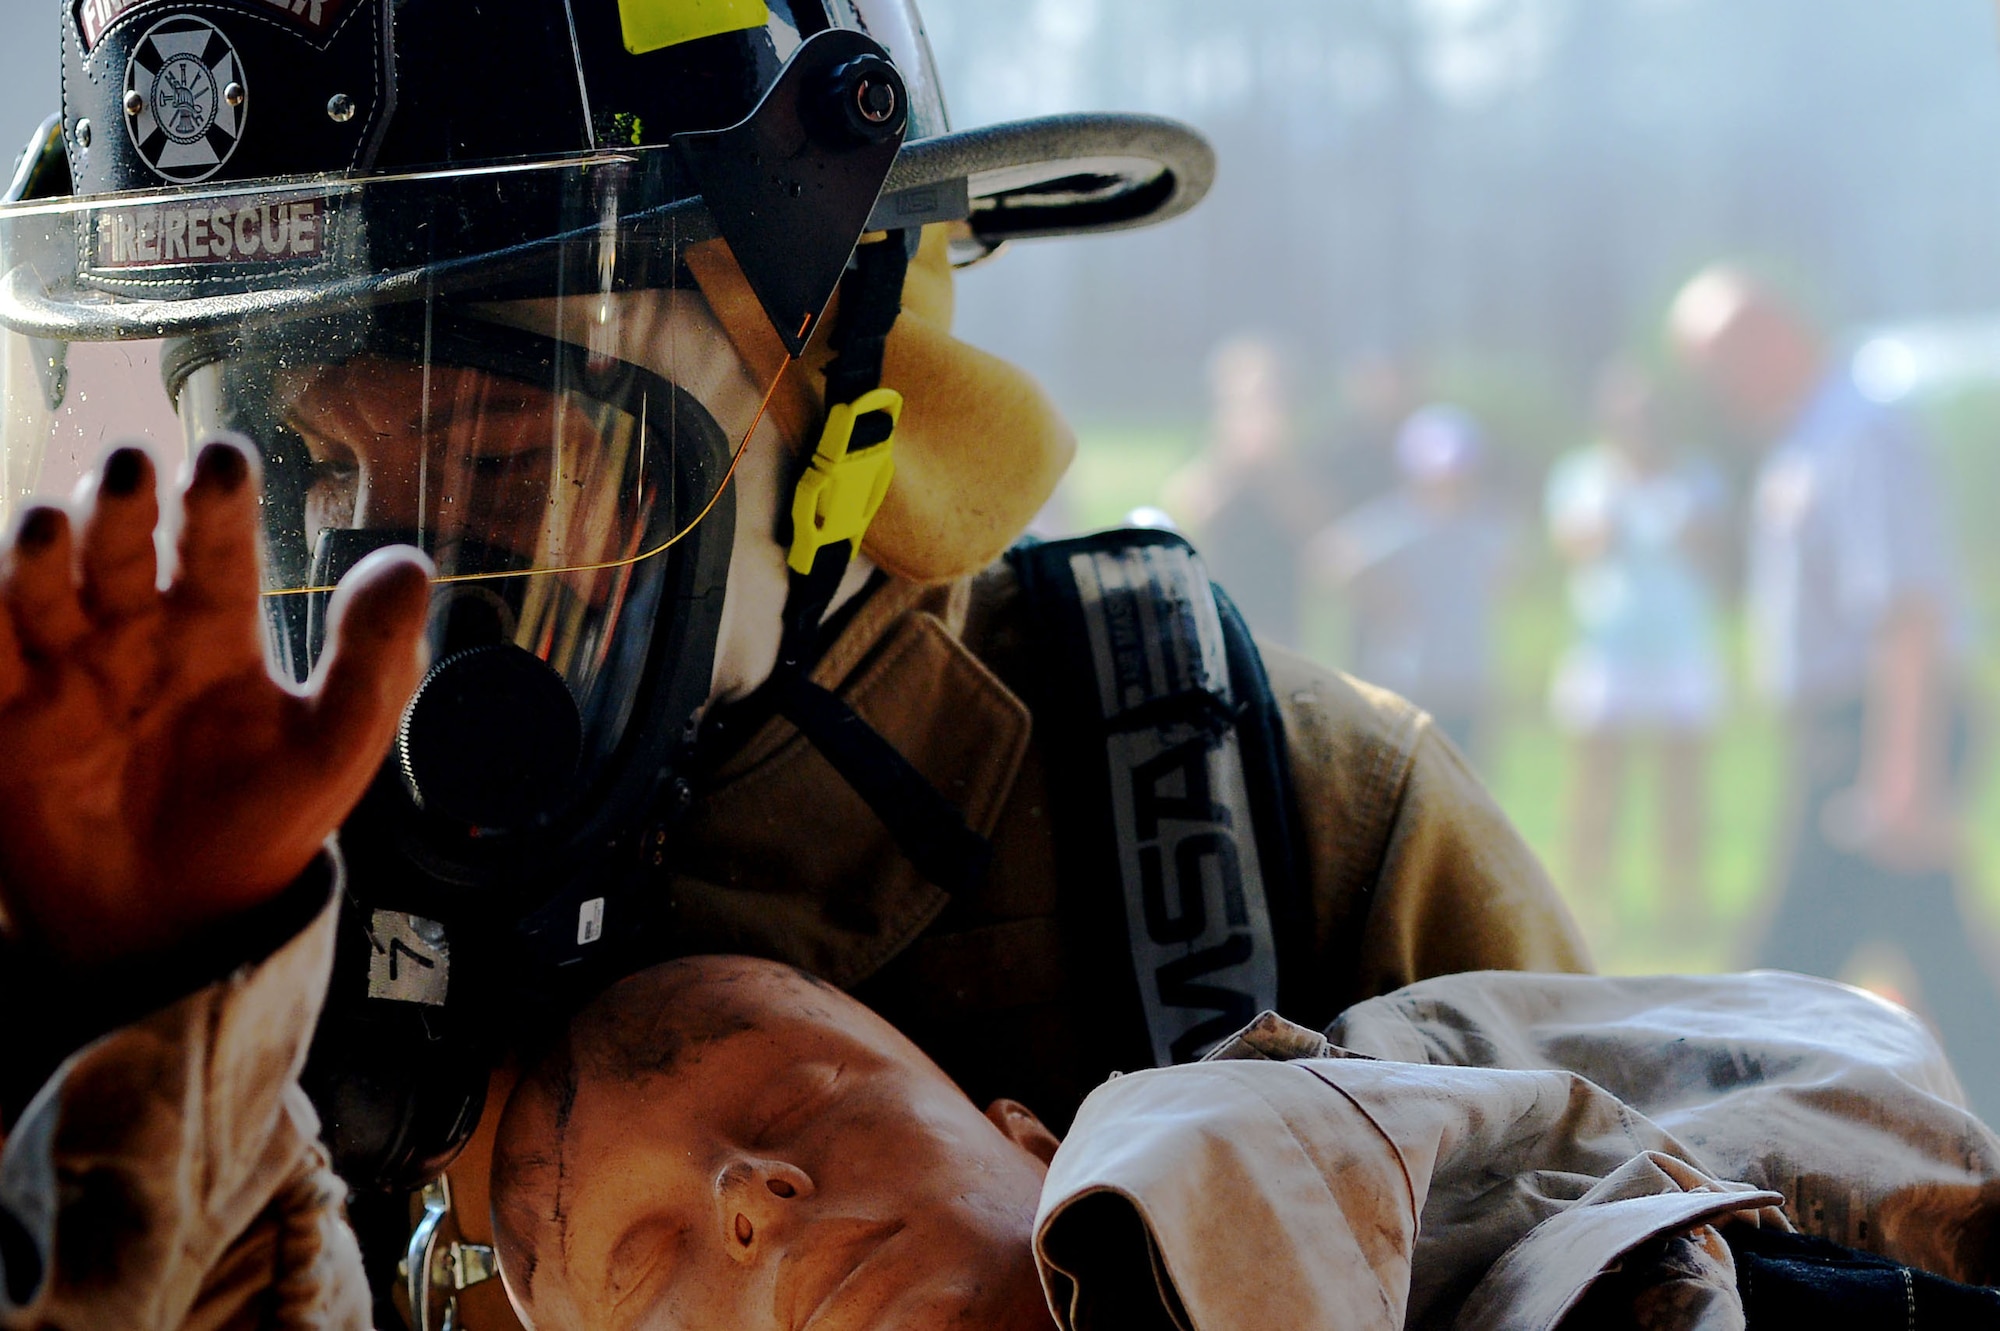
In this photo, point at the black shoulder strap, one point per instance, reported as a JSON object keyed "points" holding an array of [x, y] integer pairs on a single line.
{"points": [[1267, 770], [1170, 784]]}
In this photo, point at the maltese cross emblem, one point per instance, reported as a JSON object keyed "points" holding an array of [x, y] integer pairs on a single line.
{"points": [[184, 99]]}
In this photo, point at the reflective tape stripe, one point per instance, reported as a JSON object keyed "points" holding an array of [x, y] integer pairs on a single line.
{"points": [[654, 25], [1196, 914]]}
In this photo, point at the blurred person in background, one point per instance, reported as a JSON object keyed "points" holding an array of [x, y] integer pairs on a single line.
{"points": [[1246, 498], [1857, 626], [1378, 392], [1421, 568], [1638, 522]]}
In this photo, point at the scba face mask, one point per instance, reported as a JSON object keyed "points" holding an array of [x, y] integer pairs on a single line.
{"points": [[570, 501], [561, 456]]}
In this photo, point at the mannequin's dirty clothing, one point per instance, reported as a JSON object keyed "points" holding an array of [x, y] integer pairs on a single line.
{"points": [[1533, 1136]]}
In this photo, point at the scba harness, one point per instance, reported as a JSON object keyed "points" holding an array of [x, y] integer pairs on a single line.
{"points": [[1176, 822]]}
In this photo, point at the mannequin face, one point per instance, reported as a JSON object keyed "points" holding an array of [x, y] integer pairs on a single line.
{"points": [[727, 1143]]}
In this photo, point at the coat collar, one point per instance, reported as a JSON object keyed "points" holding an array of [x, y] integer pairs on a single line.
{"points": [[780, 858]]}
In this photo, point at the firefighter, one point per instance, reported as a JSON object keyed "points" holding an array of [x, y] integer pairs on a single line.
{"points": [[634, 317]]}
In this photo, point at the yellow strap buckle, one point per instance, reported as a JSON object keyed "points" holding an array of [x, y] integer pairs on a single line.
{"points": [[841, 492]]}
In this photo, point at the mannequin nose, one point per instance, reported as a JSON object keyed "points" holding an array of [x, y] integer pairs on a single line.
{"points": [[755, 1202]]}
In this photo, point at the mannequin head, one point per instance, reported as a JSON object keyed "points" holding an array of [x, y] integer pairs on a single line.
{"points": [[725, 1142]]}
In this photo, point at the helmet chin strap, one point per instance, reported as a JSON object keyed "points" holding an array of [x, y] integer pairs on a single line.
{"points": [[838, 496], [753, 609]]}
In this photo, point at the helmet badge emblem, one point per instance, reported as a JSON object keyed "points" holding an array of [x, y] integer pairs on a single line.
{"points": [[184, 99]]}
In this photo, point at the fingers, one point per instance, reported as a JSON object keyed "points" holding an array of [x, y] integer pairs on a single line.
{"points": [[37, 585], [217, 622], [218, 545], [375, 659], [120, 566], [13, 669]]}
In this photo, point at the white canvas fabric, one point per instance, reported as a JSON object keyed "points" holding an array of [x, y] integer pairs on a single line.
{"points": [[1476, 1151]]}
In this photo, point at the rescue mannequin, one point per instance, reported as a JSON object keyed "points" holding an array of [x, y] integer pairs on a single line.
{"points": [[721, 1141]]}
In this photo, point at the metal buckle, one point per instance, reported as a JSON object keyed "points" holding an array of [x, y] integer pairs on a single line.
{"points": [[439, 1265]]}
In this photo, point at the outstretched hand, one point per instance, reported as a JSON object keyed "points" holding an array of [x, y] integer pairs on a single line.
{"points": [[155, 779]]}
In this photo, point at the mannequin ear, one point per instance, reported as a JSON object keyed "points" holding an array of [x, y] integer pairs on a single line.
{"points": [[1020, 1126]]}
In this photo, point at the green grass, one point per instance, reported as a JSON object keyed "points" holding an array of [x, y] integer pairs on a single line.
{"points": [[1119, 469], [1638, 930]]}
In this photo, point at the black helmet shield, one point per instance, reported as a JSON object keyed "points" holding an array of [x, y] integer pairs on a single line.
{"points": [[295, 87], [184, 91]]}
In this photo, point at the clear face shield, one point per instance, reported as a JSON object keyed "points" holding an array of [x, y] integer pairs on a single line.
{"points": [[551, 452], [553, 487], [540, 373]]}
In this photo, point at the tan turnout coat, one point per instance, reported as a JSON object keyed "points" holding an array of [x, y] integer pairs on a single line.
{"points": [[782, 859]]}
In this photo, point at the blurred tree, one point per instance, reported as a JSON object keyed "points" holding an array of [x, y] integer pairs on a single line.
{"points": [[1458, 177]]}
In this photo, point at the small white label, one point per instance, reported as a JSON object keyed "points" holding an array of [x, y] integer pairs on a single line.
{"points": [[409, 959], [590, 922]]}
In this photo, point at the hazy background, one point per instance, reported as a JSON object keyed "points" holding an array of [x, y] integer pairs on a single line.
{"points": [[30, 69], [1489, 180], [1494, 199], [1502, 194]]}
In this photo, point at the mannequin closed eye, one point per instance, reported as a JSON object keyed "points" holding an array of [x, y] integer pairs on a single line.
{"points": [[799, 1098], [642, 1262]]}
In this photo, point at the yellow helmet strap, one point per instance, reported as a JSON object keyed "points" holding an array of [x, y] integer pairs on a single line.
{"points": [[851, 468]]}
